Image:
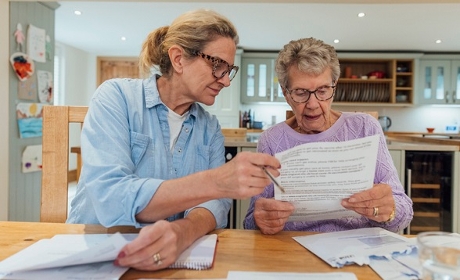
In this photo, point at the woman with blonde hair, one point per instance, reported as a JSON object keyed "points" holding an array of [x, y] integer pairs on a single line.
{"points": [[153, 157]]}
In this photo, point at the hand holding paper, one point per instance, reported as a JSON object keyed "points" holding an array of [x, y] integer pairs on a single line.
{"points": [[317, 176]]}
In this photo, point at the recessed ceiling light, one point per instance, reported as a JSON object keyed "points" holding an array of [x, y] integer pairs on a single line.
{"points": [[123, 38], [361, 14], [77, 13], [438, 41], [336, 41]]}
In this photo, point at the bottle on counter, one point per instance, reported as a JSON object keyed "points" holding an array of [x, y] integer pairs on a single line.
{"points": [[249, 121], [245, 119]]}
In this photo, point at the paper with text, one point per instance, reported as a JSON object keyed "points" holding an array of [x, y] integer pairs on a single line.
{"points": [[355, 246], [317, 176]]}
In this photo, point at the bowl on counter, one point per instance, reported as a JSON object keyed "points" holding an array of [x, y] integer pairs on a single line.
{"points": [[430, 129], [257, 125]]}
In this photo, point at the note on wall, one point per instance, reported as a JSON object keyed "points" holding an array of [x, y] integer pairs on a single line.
{"points": [[45, 86], [32, 159], [29, 119], [36, 43], [27, 90]]}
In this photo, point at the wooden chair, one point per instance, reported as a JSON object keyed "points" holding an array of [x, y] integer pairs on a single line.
{"points": [[55, 160]]}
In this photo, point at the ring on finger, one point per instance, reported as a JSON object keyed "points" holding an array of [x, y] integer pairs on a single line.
{"points": [[157, 258], [376, 211]]}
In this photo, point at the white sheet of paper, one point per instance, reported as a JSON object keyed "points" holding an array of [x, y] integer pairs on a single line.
{"points": [[354, 246], [91, 271], [317, 176], [49, 256], [400, 266], [255, 275]]}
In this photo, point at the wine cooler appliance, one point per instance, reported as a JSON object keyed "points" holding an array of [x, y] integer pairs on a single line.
{"points": [[429, 185]]}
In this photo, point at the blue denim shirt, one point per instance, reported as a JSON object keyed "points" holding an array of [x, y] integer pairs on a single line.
{"points": [[126, 155]]}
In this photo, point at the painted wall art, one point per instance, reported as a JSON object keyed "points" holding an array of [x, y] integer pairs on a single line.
{"points": [[29, 119], [23, 66], [36, 43], [27, 90], [45, 86], [32, 159]]}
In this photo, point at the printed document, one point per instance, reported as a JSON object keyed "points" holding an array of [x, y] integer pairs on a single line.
{"points": [[317, 176], [355, 246]]}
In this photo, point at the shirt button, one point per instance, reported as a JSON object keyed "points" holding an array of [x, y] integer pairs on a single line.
{"points": [[180, 150], [186, 129]]}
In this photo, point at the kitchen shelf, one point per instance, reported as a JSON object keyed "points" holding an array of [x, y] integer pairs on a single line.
{"points": [[395, 88], [427, 214]]}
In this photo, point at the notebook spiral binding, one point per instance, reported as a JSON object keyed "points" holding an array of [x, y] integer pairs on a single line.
{"points": [[197, 264]]}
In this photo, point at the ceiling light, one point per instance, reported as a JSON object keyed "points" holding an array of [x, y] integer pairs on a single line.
{"points": [[361, 14], [336, 41], [438, 41], [78, 13], [123, 38]]}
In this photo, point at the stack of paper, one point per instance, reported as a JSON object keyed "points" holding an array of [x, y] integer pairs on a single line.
{"points": [[355, 246], [68, 256]]}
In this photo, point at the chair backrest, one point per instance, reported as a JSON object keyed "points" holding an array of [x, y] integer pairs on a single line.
{"points": [[55, 160]]}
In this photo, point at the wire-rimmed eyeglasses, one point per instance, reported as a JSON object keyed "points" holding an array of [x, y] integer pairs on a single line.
{"points": [[301, 95], [220, 67]]}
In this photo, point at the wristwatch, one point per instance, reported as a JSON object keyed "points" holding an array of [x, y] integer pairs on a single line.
{"points": [[392, 215]]}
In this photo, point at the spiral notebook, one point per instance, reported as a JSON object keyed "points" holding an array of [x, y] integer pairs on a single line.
{"points": [[200, 255]]}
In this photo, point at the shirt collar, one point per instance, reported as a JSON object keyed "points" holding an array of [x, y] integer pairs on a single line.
{"points": [[152, 95]]}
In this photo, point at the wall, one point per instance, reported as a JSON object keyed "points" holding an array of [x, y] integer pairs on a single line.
{"points": [[25, 188], [76, 90], [4, 109]]}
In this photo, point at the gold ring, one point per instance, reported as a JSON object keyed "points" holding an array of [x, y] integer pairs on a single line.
{"points": [[157, 258], [376, 211]]}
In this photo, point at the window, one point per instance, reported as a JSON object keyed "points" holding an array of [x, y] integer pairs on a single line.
{"points": [[59, 70]]}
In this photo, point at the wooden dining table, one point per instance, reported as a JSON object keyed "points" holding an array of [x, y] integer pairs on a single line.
{"points": [[237, 250]]}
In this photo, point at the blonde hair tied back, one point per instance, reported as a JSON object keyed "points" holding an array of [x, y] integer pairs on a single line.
{"points": [[191, 31]]}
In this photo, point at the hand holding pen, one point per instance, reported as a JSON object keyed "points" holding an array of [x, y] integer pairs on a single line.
{"points": [[273, 179]]}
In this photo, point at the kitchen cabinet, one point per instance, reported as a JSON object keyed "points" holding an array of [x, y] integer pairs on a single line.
{"points": [[259, 82], [356, 86], [398, 157], [376, 82], [240, 206], [440, 81], [227, 104]]}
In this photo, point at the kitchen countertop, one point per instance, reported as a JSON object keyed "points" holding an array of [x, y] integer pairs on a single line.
{"points": [[442, 141], [395, 141], [248, 141]]}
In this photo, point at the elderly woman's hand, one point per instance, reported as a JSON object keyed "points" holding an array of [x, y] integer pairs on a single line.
{"points": [[270, 215], [376, 203]]}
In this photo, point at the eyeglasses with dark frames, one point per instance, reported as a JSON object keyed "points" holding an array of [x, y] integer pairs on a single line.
{"points": [[220, 67], [300, 95]]}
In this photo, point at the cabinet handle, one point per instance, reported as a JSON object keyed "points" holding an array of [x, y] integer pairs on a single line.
{"points": [[268, 94], [447, 96], [454, 96], [409, 191]]}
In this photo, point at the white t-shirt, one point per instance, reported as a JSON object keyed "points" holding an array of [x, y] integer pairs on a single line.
{"points": [[175, 124]]}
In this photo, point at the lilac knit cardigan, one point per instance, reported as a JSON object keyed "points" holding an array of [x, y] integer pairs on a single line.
{"points": [[349, 126]]}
